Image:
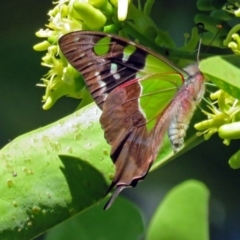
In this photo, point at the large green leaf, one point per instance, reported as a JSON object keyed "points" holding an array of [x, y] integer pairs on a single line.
{"points": [[54, 172], [98, 224], [183, 214], [224, 71]]}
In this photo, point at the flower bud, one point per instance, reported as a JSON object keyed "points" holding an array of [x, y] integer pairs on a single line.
{"points": [[230, 131], [92, 17]]}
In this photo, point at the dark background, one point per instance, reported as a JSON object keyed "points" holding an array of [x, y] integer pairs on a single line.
{"points": [[21, 111]]}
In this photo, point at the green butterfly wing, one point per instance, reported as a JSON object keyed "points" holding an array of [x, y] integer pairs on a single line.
{"points": [[134, 87]]}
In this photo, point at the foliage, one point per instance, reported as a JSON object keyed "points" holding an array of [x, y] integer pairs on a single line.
{"points": [[53, 173]]}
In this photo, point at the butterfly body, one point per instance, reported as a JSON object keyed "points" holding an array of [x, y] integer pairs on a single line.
{"points": [[142, 96], [184, 105]]}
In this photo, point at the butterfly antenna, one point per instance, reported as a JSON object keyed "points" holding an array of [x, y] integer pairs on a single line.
{"points": [[219, 27], [201, 28], [199, 49]]}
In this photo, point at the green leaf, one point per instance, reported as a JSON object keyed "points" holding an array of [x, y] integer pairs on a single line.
{"points": [[53, 173], [122, 221], [224, 71], [183, 214], [234, 160]]}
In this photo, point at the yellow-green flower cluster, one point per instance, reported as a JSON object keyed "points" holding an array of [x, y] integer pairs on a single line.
{"points": [[224, 114], [218, 20], [232, 40], [224, 117], [68, 16]]}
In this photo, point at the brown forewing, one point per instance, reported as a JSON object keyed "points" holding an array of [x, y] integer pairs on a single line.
{"points": [[78, 48]]}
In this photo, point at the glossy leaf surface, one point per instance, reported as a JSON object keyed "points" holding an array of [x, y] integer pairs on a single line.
{"points": [[94, 223], [56, 171], [52, 173], [224, 71], [182, 215]]}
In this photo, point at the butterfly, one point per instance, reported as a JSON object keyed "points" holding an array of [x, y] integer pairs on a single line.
{"points": [[142, 96]]}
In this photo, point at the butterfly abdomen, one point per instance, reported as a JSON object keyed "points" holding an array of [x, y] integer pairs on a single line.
{"points": [[179, 125], [184, 106]]}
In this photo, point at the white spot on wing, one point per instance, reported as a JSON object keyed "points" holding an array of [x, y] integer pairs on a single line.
{"points": [[113, 69], [132, 43], [104, 96], [125, 57], [89, 63], [128, 51], [101, 83], [116, 76]]}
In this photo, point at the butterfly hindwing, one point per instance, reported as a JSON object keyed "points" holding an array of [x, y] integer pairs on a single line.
{"points": [[135, 140], [134, 87]]}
